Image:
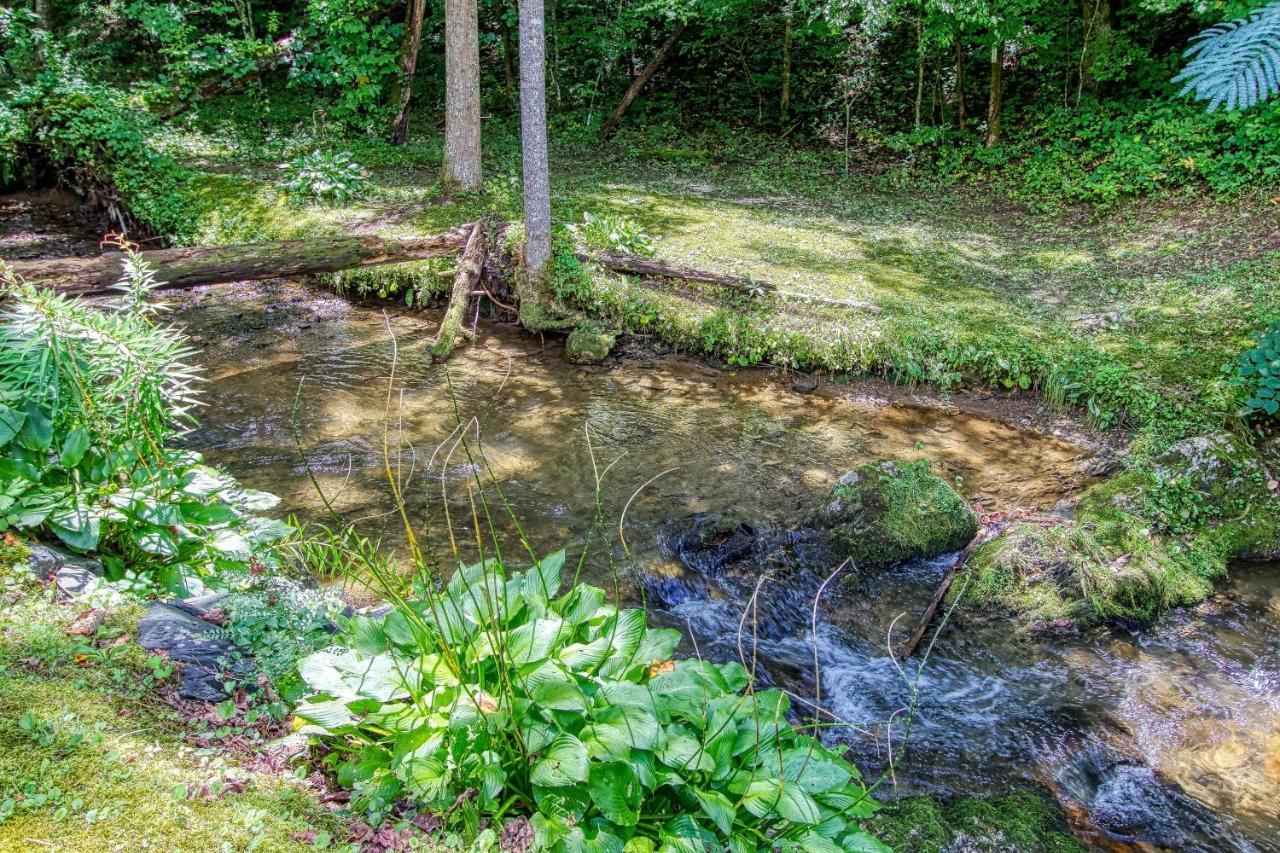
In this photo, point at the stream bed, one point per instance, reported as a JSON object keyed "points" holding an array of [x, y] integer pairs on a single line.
{"points": [[1167, 738]]}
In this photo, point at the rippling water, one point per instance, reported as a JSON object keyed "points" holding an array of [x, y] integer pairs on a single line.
{"points": [[1168, 737]]}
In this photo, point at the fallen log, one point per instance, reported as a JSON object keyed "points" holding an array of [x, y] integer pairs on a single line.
{"points": [[637, 265], [191, 267], [910, 646], [452, 325]]}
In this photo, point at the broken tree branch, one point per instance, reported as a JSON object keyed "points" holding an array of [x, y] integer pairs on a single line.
{"points": [[637, 265], [909, 648], [464, 282], [646, 73], [190, 267]]}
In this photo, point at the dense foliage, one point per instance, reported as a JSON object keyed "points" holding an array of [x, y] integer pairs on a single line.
{"points": [[91, 403], [572, 710], [1258, 373]]}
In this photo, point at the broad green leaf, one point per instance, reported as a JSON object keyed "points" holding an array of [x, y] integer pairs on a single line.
{"points": [[616, 792], [814, 774], [681, 751], [37, 429], [717, 807], [564, 763], [11, 421], [209, 515], [329, 715], [79, 526], [862, 842], [158, 541], [73, 447], [552, 687]]}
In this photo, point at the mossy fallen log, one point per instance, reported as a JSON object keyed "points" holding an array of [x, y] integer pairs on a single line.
{"points": [[465, 279], [190, 267]]}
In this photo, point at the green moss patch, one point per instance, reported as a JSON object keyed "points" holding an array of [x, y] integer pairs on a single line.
{"points": [[589, 344], [887, 512], [1022, 820]]}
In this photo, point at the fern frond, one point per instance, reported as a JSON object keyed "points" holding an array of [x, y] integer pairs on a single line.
{"points": [[1236, 64]]}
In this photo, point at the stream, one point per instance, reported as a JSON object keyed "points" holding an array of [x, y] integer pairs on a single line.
{"points": [[1166, 738]]}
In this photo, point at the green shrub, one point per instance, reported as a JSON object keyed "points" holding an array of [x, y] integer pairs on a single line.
{"points": [[1257, 372], [90, 403], [572, 710], [324, 177], [613, 233]]}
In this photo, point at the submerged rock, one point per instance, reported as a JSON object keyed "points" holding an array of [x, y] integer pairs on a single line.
{"points": [[588, 344], [888, 512]]}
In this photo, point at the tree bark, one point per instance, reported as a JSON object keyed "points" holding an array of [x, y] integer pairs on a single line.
{"points": [[191, 267], [533, 138], [960, 105], [639, 83], [452, 326], [461, 96], [508, 58], [996, 100], [788, 35], [402, 90], [1098, 21], [919, 66]]}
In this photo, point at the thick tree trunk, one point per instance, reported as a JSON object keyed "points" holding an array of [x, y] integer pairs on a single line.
{"points": [[402, 90], [639, 83], [453, 325], [461, 96], [788, 35], [996, 100], [533, 138], [960, 105], [191, 267]]}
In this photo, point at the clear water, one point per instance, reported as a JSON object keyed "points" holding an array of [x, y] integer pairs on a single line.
{"points": [[1169, 736]]}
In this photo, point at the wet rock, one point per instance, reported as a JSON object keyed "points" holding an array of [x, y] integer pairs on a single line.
{"points": [[203, 649], [73, 575], [588, 344], [888, 512], [709, 543]]}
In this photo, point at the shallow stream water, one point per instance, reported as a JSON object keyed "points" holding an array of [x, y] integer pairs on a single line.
{"points": [[1167, 738]]}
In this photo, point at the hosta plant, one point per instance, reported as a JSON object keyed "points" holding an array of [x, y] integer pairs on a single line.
{"points": [[324, 177], [1258, 372], [91, 402], [613, 233], [564, 707]]}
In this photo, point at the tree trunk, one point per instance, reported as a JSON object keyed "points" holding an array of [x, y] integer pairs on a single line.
{"points": [[533, 138], [1098, 22], [996, 100], [402, 90], [461, 96], [919, 66], [639, 83], [191, 267], [960, 105], [452, 325], [788, 34], [508, 58]]}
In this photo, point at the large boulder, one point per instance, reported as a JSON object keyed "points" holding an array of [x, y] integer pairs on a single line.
{"points": [[888, 512]]}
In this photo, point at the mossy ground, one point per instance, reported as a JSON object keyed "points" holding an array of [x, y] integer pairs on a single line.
{"points": [[91, 759], [1022, 820]]}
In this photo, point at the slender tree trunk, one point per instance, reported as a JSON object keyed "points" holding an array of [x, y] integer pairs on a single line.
{"points": [[508, 58], [960, 105], [533, 138], [402, 89], [788, 34], [636, 85], [461, 96], [996, 100], [1098, 22], [919, 66]]}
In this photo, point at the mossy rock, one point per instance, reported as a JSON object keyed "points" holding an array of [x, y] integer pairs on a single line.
{"points": [[1021, 821], [589, 344], [887, 512]]}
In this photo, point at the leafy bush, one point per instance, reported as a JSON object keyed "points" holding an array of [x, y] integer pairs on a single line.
{"points": [[1257, 371], [277, 625], [613, 233], [89, 403], [324, 177], [573, 711]]}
